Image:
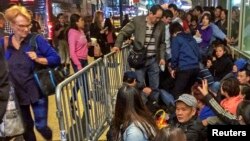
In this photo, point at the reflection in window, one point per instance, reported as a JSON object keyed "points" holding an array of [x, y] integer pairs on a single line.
{"points": [[235, 24], [246, 28]]}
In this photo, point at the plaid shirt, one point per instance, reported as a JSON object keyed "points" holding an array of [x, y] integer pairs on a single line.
{"points": [[7, 28]]}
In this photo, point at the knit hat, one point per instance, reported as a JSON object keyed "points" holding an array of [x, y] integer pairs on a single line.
{"points": [[240, 63], [188, 99]]}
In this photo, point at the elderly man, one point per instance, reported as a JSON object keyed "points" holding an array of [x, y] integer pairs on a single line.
{"points": [[149, 33], [185, 111]]}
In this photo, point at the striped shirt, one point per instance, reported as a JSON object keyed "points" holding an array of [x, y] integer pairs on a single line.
{"points": [[150, 41]]}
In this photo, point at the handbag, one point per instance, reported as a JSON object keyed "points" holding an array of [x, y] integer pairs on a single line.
{"points": [[12, 124], [47, 79], [137, 58], [95, 51]]}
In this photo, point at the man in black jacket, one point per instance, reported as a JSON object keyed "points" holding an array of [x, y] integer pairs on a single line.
{"points": [[185, 111], [4, 85]]}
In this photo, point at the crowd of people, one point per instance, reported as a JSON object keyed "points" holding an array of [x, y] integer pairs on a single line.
{"points": [[204, 83], [189, 71]]}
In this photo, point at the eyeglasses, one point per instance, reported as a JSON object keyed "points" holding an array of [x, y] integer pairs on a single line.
{"points": [[24, 26]]}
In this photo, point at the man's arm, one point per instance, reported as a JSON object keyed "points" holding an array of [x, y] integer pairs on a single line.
{"points": [[125, 32]]}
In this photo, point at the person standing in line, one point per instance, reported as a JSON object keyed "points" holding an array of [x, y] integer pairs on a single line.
{"points": [[78, 44], [78, 48], [167, 19], [149, 33], [36, 28], [61, 42], [98, 31]]}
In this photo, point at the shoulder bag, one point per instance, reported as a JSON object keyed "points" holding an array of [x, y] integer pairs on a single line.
{"points": [[137, 58], [45, 77]]}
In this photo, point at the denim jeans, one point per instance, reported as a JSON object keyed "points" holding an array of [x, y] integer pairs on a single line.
{"points": [[40, 111], [84, 63], [215, 87], [167, 98], [152, 70]]}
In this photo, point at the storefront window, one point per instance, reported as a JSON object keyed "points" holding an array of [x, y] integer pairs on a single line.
{"points": [[246, 27], [235, 22]]}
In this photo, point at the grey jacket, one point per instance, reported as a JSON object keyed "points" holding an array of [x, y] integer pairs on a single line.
{"points": [[137, 27]]}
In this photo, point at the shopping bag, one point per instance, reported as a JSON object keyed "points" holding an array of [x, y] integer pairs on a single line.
{"points": [[12, 124]]}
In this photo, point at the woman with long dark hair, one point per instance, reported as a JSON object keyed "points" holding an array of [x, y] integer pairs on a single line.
{"points": [[78, 44], [110, 32], [132, 120]]}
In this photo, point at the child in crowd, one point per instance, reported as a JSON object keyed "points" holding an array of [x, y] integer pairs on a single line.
{"points": [[223, 63], [231, 90]]}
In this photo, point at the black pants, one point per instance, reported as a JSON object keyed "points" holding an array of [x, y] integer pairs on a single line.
{"points": [[184, 79]]}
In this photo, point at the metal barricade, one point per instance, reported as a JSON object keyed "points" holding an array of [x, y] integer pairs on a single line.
{"points": [[116, 64], [84, 99]]}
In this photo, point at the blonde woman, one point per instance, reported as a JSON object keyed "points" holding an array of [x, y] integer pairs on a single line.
{"points": [[22, 58], [98, 31]]}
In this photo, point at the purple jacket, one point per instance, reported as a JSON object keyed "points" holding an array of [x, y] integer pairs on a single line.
{"points": [[206, 35]]}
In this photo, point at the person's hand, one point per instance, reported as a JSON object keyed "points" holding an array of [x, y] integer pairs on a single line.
{"points": [[79, 67], [147, 91], [32, 55], [204, 88], [162, 62], [197, 34], [115, 49], [172, 73]]}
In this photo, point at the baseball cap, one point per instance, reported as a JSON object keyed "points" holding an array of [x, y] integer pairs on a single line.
{"points": [[188, 99], [130, 74]]}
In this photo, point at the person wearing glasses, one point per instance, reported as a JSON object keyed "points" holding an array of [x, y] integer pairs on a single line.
{"points": [[22, 58]]}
